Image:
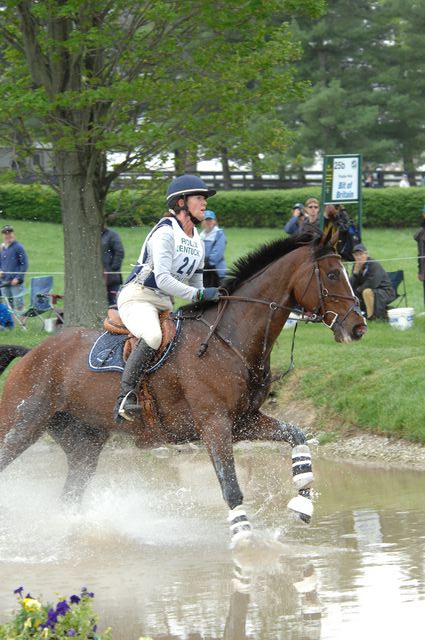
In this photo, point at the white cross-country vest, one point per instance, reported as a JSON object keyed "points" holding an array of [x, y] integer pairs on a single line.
{"points": [[188, 255]]}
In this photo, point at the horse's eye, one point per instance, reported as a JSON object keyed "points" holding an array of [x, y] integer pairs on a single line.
{"points": [[333, 275]]}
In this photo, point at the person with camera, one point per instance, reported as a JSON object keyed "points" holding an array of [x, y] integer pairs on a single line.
{"points": [[170, 264], [296, 221]]}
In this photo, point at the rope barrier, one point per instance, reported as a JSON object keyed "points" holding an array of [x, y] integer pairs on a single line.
{"points": [[62, 273]]}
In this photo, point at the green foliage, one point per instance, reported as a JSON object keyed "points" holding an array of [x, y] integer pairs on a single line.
{"points": [[68, 618], [389, 207], [29, 202]]}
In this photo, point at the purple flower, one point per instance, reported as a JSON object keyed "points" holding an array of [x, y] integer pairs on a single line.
{"points": [[62, 607], [70, 632], [18, 591], [52, 619], [74, 599], [85, 593]]}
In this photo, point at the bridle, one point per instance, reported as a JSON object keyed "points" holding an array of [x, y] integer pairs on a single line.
{"points": [[319, 314], [321, 311]]}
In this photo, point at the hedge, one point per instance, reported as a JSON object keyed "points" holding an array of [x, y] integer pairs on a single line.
{"points": [[386, 207]]}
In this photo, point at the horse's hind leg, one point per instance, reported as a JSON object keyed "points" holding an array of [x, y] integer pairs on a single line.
{"points": [[82, 445], [19, 429], [258, 426]]}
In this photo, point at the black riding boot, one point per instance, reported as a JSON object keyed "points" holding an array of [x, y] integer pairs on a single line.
{"points": [[127, 406]]}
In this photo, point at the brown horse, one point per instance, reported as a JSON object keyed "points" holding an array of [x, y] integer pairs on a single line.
{"points": [[214, 397]]}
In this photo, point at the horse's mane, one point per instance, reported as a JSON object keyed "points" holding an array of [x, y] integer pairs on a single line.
{"points": [[255, 261]]}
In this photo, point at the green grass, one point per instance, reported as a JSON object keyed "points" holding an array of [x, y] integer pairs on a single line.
{"points": [[375, 384]]}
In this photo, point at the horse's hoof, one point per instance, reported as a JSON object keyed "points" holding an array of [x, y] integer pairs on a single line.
{"points": [[303, 507], [240, 527]]}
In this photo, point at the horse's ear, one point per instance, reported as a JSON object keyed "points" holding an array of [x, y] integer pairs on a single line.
{"points": [[327, 238], [334, 239]]}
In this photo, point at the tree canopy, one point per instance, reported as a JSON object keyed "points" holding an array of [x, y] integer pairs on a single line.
{"points": [[140, 77]]}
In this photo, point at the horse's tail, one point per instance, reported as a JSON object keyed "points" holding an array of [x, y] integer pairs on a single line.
{"points": [[9, 352]]}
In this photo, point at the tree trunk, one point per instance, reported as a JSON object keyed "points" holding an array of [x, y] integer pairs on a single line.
{"points": [[82, 217], [227, 179]]}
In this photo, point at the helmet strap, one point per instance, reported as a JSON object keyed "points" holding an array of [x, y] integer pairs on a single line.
{"points": [[185, 208]]}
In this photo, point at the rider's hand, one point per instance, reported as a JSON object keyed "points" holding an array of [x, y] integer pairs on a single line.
{"points": [[209, 293]]}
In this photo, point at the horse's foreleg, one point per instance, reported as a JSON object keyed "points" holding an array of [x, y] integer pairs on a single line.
{"points": [[258, 426], [82, 445], [217, 437]]}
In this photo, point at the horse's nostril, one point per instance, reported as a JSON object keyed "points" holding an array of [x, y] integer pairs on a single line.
{"points": [[359, 330]]}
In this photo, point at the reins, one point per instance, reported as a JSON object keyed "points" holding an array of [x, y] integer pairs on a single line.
{"points": [[318, 315]]}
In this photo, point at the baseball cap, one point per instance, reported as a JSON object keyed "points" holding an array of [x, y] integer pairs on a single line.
{"points": [[298, 205], [359, 247], [7, 228], [209, 215]]}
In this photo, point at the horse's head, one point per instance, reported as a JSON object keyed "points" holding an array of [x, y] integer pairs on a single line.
{"points": [[322, 287]]}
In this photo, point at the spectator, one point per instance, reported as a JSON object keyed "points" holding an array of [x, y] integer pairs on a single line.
{"points": [[311, 215], [369, 181], [336, 218], [404, 182], [420, 239], [112, 257], [6, 318], [295, 223], [371, 284], [214, 244], [13, 266]]}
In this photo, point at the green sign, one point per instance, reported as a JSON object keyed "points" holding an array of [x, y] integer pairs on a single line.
{"points": [[342, 179]]}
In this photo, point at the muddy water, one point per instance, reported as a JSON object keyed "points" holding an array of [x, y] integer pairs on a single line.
{"points": [[151, 541]]}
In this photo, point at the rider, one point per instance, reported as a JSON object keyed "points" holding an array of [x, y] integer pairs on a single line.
{"points": [[170, 264]]}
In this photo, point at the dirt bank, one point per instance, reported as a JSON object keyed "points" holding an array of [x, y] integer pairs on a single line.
{"points": [[350, 443]]}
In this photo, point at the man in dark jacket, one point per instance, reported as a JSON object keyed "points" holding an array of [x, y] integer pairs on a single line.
{"points": [[13, 266], [371, 284], [112, 257]]}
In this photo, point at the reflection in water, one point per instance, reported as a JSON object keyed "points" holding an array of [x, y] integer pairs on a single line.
{"points": [[152, 542]]}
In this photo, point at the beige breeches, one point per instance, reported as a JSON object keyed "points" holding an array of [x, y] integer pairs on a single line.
{"points": [[139, 309], [369, 301]]}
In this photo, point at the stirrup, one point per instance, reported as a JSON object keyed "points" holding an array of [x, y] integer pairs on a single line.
{"points": [[127, 409]]}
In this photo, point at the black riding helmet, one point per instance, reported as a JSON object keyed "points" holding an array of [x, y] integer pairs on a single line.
{"points": [[187, 185], [184, 186]]}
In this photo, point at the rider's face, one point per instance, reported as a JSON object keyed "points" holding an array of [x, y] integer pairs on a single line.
{"points": [[197, 205]]}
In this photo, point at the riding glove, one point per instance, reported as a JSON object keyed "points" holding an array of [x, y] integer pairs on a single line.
{"points": [[207, 294]]}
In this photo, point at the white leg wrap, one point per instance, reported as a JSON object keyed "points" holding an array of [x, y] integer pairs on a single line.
{"points": [[302, 506], [240, 526], [302, 473]]}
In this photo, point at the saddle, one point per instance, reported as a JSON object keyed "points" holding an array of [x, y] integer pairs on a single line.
{"points": [[113, 324]]}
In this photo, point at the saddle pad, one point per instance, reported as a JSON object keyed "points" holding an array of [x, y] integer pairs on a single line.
{"points": [[107, 352]]}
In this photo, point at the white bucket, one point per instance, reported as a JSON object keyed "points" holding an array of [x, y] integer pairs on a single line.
{"points": [[401, 318], [50, 325]]}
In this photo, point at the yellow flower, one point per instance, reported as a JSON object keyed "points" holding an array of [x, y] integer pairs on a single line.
{"points": [[27, 623], [31, 604]]}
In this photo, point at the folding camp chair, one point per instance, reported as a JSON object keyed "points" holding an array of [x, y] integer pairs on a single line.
{"points": [[399, 286], [17, 316], [42, 300]]}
